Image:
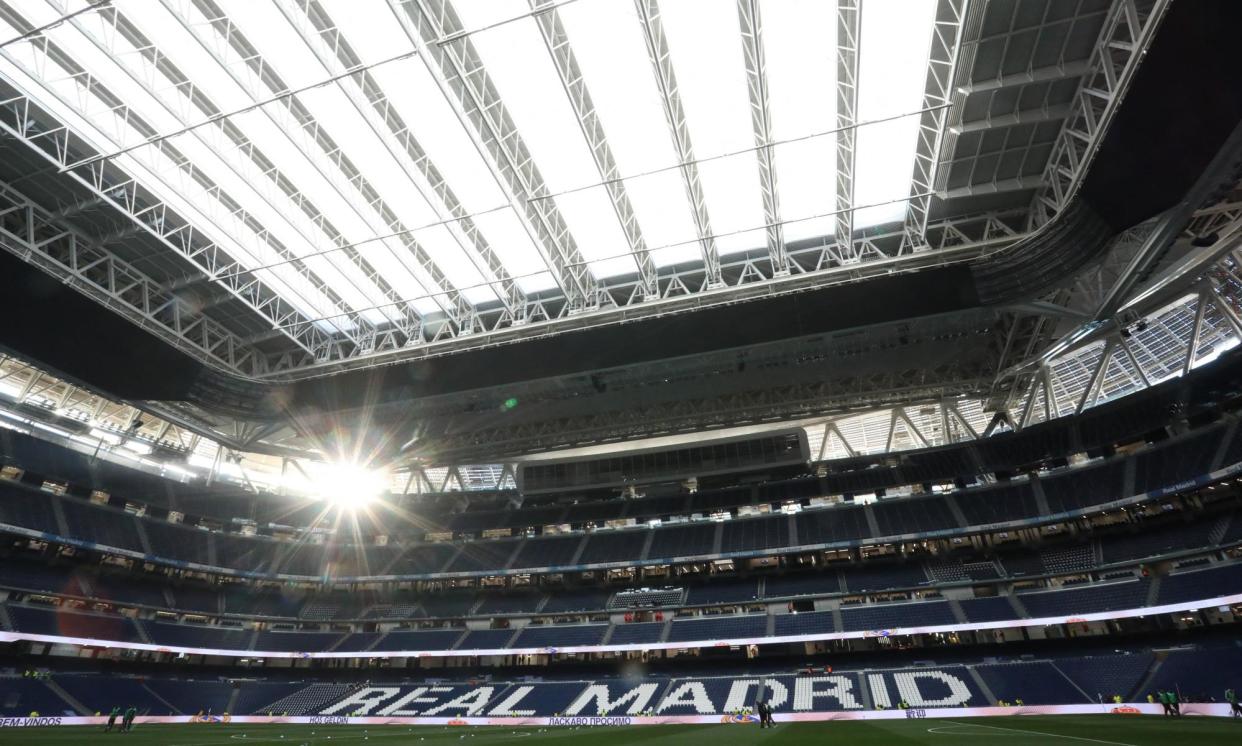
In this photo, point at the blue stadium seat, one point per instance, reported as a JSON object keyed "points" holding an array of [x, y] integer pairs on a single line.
{"points": [[637, 632], [430, 639], [1034, 682], [708, 629], [560, 636], [804, 623], [1086, 600], [1195, 585], [993, 609], [485, 639], [893, 616]]}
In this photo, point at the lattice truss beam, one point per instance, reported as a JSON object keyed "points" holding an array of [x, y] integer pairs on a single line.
{"points": [[303, 283], [27, 231], [948, 54], [1167, 344], [1164, 335], [1128, 30], [25, 385]]}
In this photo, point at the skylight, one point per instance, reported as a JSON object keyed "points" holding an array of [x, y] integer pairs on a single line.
{"points": [[394, 195], [892, 67]]}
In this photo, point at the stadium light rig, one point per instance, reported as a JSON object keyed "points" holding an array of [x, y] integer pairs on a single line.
{"points": [[348, 486]]}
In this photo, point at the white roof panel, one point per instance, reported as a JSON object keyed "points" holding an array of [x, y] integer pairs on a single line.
{"points": [[417, 141]]}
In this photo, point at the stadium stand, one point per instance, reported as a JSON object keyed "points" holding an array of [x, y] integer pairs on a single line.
{"points": [[381, 395]]}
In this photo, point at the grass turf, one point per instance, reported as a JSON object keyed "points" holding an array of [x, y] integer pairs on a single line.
{"points": [[1117, 730]]}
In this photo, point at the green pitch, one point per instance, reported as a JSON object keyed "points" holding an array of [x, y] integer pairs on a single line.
{"points": [[1117, 730]]}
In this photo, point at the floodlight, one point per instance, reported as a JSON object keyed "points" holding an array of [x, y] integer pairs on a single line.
{"points": [[348, 485]]}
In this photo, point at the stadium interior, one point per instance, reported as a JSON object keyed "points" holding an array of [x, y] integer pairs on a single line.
{"points": [[447, 362]]}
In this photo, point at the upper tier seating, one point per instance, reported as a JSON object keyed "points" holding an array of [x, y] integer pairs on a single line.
{"points": [[718, 628], [121, 590], [755, 534], [33, 576], [1096, 598], [894, 616], [1201, 584], [723, 591], [911, 515], [583, 599], [1092, 484], [617, 546], [486, 639], [106, 526], [44, 620], [295, 642], [805, 623], [684, 541], [422, 639], [640, 632], [560, 636], [1150, 541], [423, 559], [951, 571], [195, 636], [988, 609], [882, 576], [997, 504], [1186, 458], [512, 603], [840, 524], [551, 552], [27, 508], [178, 542], [483, 555], [358, 642], [812, 583]]}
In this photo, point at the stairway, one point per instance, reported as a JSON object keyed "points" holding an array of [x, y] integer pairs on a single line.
{"points": [[983, 687], [171, 710], [1145, 682], [1220, 529], [1017, 606], [236, 695], [69, 699], [958, 613], [1153, 589], [142, 633], [144, 541]]}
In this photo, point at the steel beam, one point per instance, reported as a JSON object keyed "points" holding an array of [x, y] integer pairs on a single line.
{"points": [[1059, 71], [1022, 116], [94, 271], [460, 74], [116, 189], [849, 18], [948, 54], [24, 121], [761, 123], [323, 37], [1127, 32], [1018, 184], [570, 74], [675, 116]]}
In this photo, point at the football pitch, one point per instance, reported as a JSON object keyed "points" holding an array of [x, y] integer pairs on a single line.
{"points": [[1116, 730]]}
